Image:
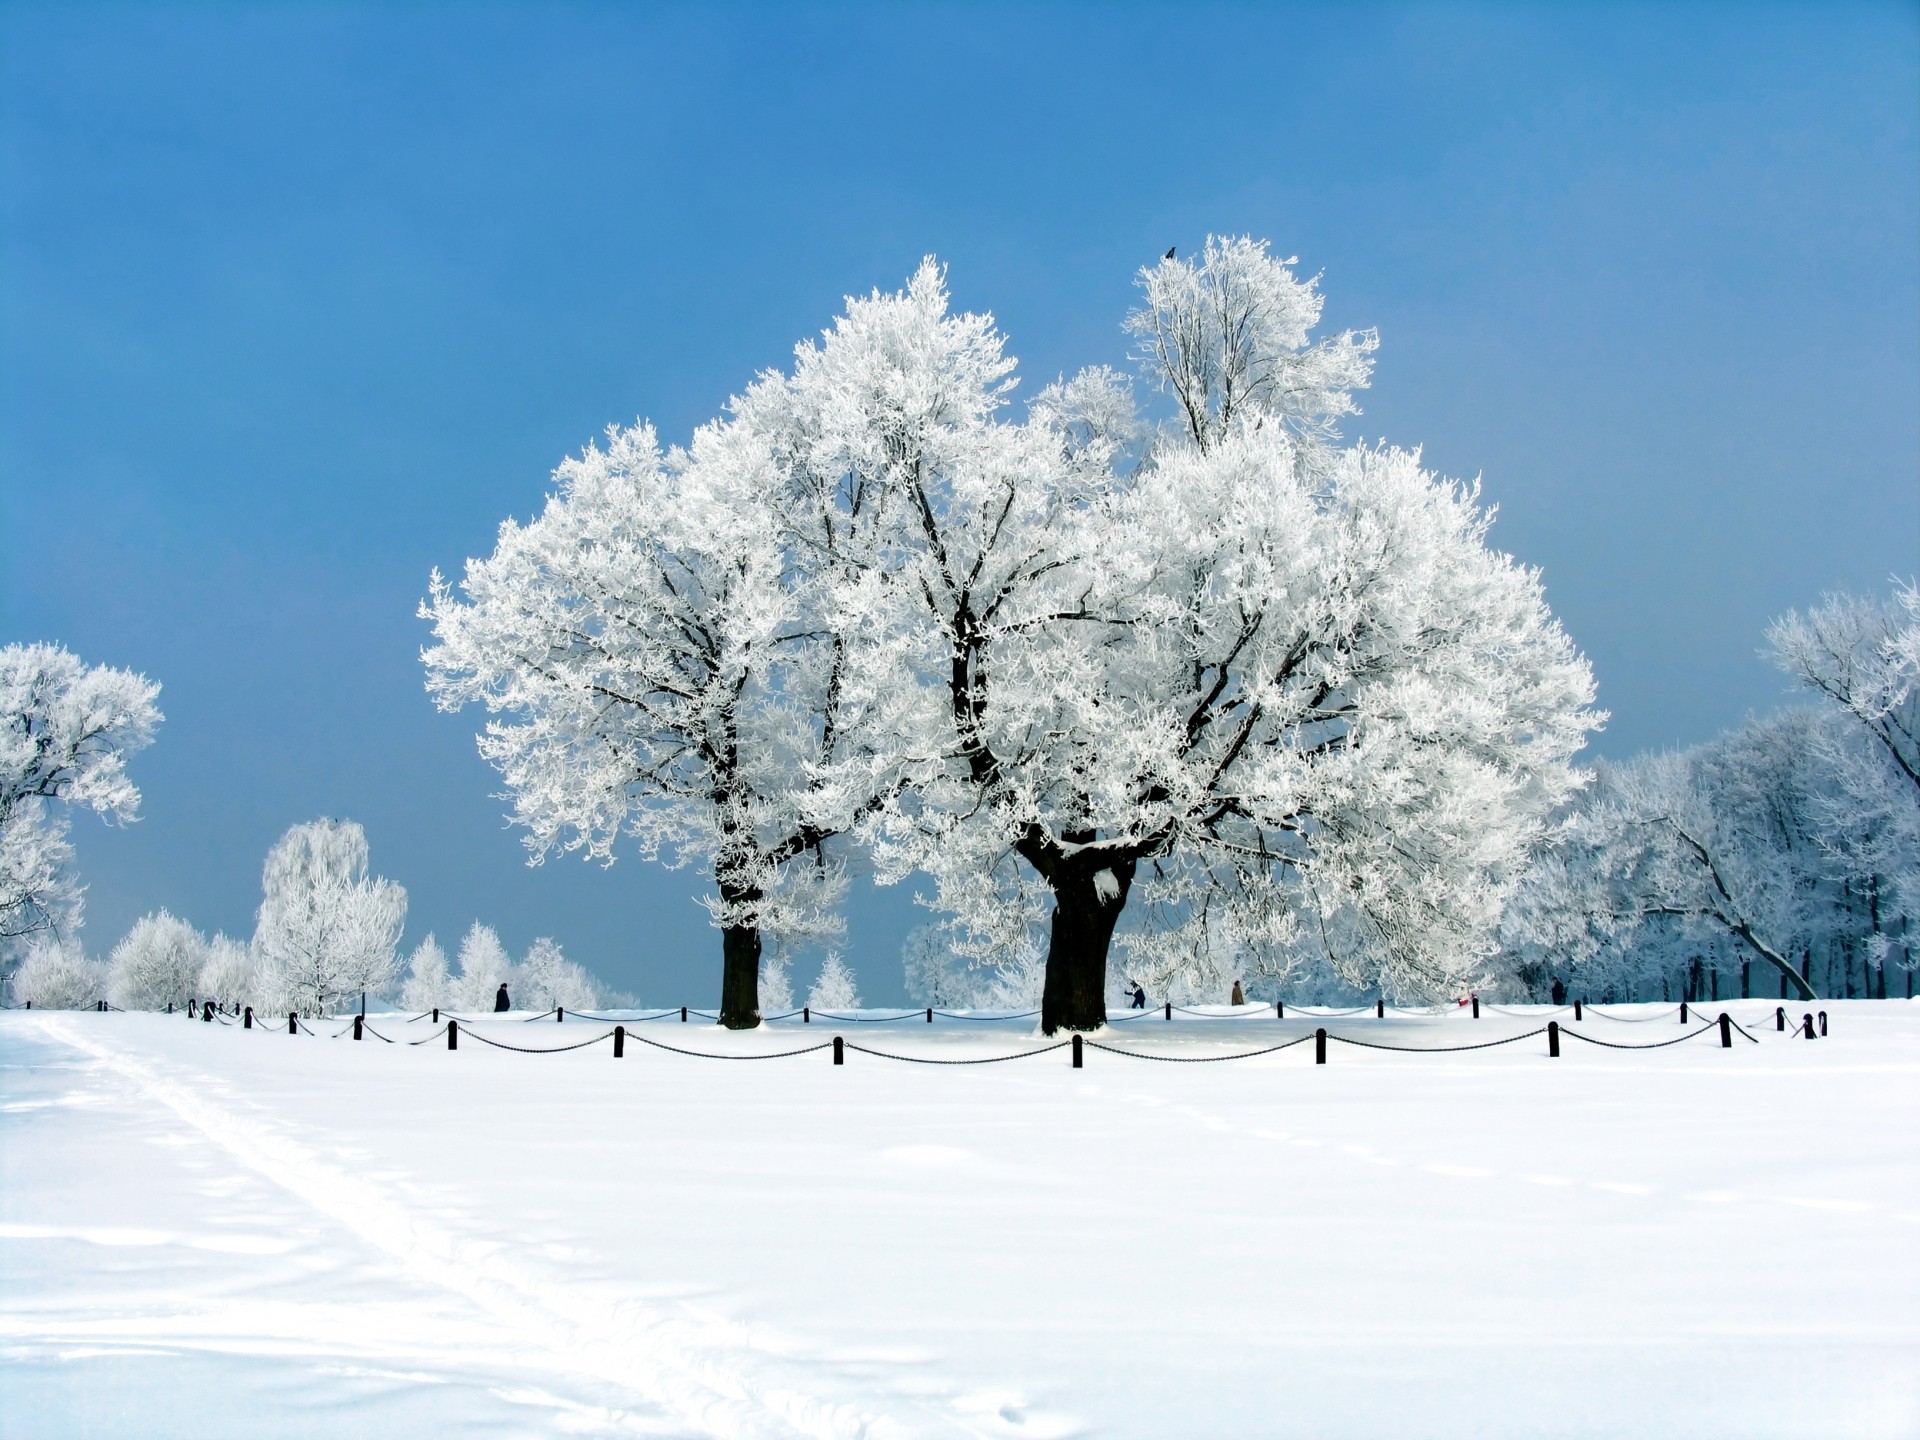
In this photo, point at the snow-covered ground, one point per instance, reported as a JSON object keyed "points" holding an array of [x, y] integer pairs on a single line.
{"points": [[211, 1232]]}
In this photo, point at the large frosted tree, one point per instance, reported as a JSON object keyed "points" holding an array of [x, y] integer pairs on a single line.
{"points": [[663, 675], [66, 731], [1274, 678]]}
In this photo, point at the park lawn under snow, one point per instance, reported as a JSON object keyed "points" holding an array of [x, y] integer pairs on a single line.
{"points": [[210, 1232]]}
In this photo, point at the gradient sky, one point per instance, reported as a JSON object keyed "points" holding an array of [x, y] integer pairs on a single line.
{"points": [[297, 302]]}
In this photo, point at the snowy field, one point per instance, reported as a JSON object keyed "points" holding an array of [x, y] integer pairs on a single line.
{"points": [[211, 1232]]}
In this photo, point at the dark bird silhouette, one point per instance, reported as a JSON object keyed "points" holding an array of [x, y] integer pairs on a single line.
{"points": [[1169, 254]]}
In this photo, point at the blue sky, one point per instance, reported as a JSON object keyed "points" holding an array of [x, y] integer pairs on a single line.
{"points": [[298, 301]]}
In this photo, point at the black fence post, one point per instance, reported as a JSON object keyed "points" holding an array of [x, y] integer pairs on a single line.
{"points": [[1780, 1018], [436, 1014], [206, 1011], [619, 1041], [559, 1013], [683, 1014], [293, 1022], [1576, 1010], [169, 1006], [1683, 1012], [1076, 1052], [806, 1014], [1320, 1046], [839, 1051], [929, 1014], [1169, 1009], [1806, 1027], [1726, 1031], [1553, 1039], [1823, 1024], [453, 1034], [192, 1009], [358, 1021], [1476, 1007], [1279, 1009], [247, 1023], [1380, 1008]]}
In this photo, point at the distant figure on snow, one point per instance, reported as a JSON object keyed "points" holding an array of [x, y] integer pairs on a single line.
{"points": [[1239, 995], [1559, 991], [500, 1000], [1139, 997]]}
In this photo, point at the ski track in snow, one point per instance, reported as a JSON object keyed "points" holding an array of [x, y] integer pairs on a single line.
{"points": [[710, 1376]]}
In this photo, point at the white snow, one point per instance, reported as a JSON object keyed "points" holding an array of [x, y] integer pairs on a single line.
{"points": [[211, 1232]]}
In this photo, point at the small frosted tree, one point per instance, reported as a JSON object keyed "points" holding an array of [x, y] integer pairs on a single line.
{"points": [[157, 964], [836, 989], [327, 929], [548, 979], [231, 974], [936, 974], [65, 734], [776, 986], [57, 975], [427, 986], [484, 967]]}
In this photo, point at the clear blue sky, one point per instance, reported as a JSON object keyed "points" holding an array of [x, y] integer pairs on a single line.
{"points": [[297, 302]]}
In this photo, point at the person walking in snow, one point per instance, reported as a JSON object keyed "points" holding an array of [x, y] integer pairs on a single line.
{"points": [[1559, 991], [1139, 997], [500, 1001], [1239, 995]]}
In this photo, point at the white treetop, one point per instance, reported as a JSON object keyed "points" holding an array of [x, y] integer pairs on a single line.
{"points": [[231, 973], [1864, 656], [158, 964], [484, 967], [836, 988], [427, 985], [56, 975], [65, 734], [327, 929]]}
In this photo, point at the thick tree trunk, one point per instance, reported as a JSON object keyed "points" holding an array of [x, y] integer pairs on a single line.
{"points": [[740, 977], [1086, 906]]}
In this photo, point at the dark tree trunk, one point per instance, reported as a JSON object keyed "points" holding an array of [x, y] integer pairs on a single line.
{"points": [[740, 977], [1075, 997]]}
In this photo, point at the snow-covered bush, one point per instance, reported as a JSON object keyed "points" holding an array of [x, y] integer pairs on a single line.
{"points": [[157, 964], [57, 975], [231, 974], [327, 929], [484, 967], [836, 988], [65, 735], [428, 986], [549, 979]]}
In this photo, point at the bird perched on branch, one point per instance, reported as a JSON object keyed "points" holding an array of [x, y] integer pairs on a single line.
{"points": [[1169, 254]]}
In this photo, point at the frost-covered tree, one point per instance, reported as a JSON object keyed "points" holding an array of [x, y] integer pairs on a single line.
{"points": [[1864, 656], [158, 964], [327, 928], [665, 676], [231, 973], [66, 732], [484, 967], [1290, 680], [549, 979], [427, 986], [776, 986], [937, 974], [836, 988], [56, 974]]}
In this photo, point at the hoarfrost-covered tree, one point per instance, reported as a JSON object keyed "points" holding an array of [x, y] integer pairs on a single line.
{"points": [[65, 734], [776, 986], [667, 679], [1290, 680], [427, 985], [836, 989], [327, 929], [231, 974], [158, 964], [56, 975], [936, 974], [484, 967], [548, 979]]}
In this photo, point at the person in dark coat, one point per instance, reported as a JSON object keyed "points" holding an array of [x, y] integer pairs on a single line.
{"points": [[1559, 991], [1239, 996], [1139, 997], [500, 1000]]}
